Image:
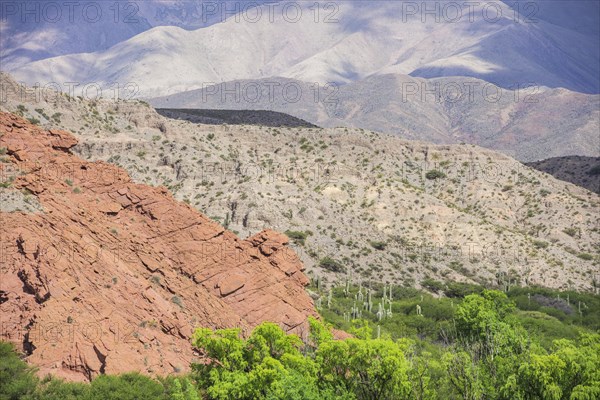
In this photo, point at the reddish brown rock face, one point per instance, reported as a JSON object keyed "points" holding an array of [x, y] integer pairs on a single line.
{"points": [[114, 276]]}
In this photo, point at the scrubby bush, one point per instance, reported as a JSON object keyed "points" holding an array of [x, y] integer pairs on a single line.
{"points": [[435, 174], [377, 245], [332, 265], [297, 237], [432, 284]]}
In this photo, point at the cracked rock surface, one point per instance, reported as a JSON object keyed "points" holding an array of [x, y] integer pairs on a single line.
{"points": [[114, 276]]}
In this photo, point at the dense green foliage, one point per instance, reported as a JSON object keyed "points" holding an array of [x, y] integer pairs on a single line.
{"points": [[479, 344], [546, 314], [19, 382]]}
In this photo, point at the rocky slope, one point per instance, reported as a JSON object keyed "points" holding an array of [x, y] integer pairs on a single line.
{"points": [[106, 275], [354, 201], [582, 171]]}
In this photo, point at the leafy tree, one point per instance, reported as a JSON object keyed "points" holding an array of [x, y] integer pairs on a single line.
{"points": [[568, 372], [16, 377], [319, 332], [368, 368], [464, 375], [482, 321], [255, 368], [130, 386], [56, 389], [182, 389]]}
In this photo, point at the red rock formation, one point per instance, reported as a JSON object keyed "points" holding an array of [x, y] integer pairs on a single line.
{"points": [[114, 276]]}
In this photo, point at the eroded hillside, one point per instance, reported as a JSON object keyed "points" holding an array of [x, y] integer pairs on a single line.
{"points": [[353, 201]]}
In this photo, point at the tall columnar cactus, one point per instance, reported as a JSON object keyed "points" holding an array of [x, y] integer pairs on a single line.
{"points": [[360, 293], [380, 312]]}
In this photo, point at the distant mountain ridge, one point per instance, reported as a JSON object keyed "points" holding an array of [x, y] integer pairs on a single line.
{"points": [[34, 30], [528, 124], [582, 171], [353, 41], [235, 117]]}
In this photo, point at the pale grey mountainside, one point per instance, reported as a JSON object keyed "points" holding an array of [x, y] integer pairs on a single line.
{"points": [[369, 201], [34, 30], [526, 123], [344, 42]]}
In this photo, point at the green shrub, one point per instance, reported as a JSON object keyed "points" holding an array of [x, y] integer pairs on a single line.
{"points": [[433, 285], [377, 245], [332, 265], [571, 231], [459, 289], [131, 386], [434, 174], [297, 237], [585, 256]]}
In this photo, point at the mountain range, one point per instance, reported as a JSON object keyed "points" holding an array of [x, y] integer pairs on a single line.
{"points": [[528, 124], [395, 67], [337, 42]]}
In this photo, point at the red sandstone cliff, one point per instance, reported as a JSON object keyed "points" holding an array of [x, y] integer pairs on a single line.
{"points": [[114, 276]]}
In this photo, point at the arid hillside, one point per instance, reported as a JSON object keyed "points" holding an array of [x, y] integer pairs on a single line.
{"points": [[353, 201], [99, 274]]}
